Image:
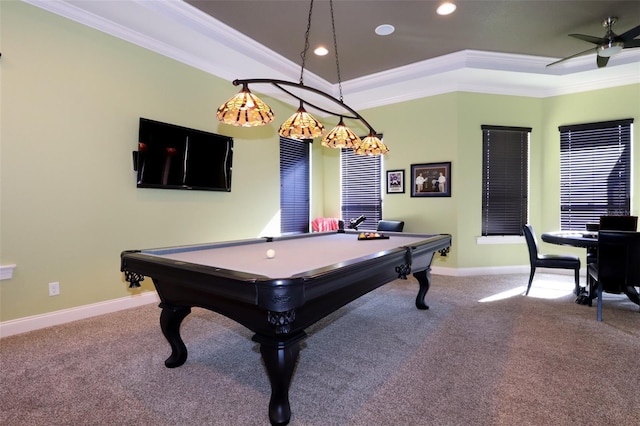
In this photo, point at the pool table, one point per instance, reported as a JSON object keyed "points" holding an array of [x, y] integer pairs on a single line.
{"points": [[310, 276]]}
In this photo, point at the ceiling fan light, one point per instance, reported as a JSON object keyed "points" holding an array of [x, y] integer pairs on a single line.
{"points": [[341, 137], [321, 51], [446, 8], [245, 110], [301, 125], [372, 146], [609, 49]]}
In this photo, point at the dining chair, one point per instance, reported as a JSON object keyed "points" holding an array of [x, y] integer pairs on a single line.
{"points": [[557, 261], [618, 267], [390, 225], [612, 223], [618, 223]]}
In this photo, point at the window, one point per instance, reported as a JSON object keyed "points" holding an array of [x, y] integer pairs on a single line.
{"points": [[505, 179], [361, 188], [595, 172], [294, 186]]}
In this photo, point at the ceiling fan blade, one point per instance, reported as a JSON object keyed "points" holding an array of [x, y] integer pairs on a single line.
{"points": [[586, 52], [631, 34], [602, 61], [631, 44], [588, 38]]}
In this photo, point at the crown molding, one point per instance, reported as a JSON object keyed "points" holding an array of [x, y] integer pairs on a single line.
{"points": [[179, 31]]}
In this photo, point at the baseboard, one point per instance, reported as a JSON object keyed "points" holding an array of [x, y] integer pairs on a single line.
{"points": [[36, 322], [485, 270]]}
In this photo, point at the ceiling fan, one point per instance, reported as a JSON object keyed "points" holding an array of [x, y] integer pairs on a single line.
{"points": [[608, 45]]}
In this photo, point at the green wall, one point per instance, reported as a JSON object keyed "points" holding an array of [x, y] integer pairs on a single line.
{"points": [[71, 99], [448, 128], [600, 105]]}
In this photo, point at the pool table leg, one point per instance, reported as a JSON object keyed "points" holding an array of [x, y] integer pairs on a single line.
{"points": [[424, 279], [170, 320], [280, 360]]}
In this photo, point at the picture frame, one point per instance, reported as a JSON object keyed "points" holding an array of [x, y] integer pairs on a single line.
{"points": [[395, 181], [431, 180]]}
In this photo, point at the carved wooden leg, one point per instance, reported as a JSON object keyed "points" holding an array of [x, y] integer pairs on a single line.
{"points": [[170, 320], [280, 360], [632, 294], [424, 279]]}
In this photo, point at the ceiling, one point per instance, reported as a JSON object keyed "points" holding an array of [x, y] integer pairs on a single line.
{"points": [[499, 47], [537, 28]]}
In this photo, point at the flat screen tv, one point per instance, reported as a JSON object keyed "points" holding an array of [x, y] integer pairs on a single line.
{"points": [[176, 157]]}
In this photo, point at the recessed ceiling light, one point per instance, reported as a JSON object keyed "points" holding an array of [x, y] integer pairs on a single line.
{"points": [[321, 51], [385, 29], [446, 8]]}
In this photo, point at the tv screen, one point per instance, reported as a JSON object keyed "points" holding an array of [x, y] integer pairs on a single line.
{"points": [[176, 157]]}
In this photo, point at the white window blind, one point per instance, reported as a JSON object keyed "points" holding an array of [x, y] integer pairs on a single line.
{"points": [[361, 188], [505, 179], [294, 185], [595, 172]]}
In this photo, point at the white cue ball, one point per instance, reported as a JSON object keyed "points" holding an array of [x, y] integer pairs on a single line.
{"points": [[271, 253]]}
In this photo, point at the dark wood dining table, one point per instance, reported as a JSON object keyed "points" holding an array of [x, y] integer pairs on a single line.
{"points": [[589, 241], [586, 239]]}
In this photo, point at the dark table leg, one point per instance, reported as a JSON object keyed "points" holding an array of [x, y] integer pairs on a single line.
{"points": [[584, 296], [170, 320], [424, 279], [632, 294], [280, 360]]}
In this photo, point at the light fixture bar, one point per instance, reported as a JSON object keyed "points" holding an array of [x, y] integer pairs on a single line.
{"points": [[279, 83]]}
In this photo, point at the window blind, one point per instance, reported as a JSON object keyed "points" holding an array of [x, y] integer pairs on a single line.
{"points": [[595, 172], [505, 179], [294, 185], [361, 188]]}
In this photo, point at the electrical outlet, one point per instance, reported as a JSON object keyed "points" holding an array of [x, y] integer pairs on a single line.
{"points": [[54, 289]]}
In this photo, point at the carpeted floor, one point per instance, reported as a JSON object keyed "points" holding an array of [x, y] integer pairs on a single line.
{"points": [[482, 355]]}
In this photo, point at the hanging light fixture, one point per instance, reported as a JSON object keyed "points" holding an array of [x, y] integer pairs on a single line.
{"points": [[341, 137], [371, 145], [301, 125], [245, 109]]}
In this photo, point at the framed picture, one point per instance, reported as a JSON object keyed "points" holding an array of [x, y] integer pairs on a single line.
{"points": [[395, 181], [431, 180]]}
